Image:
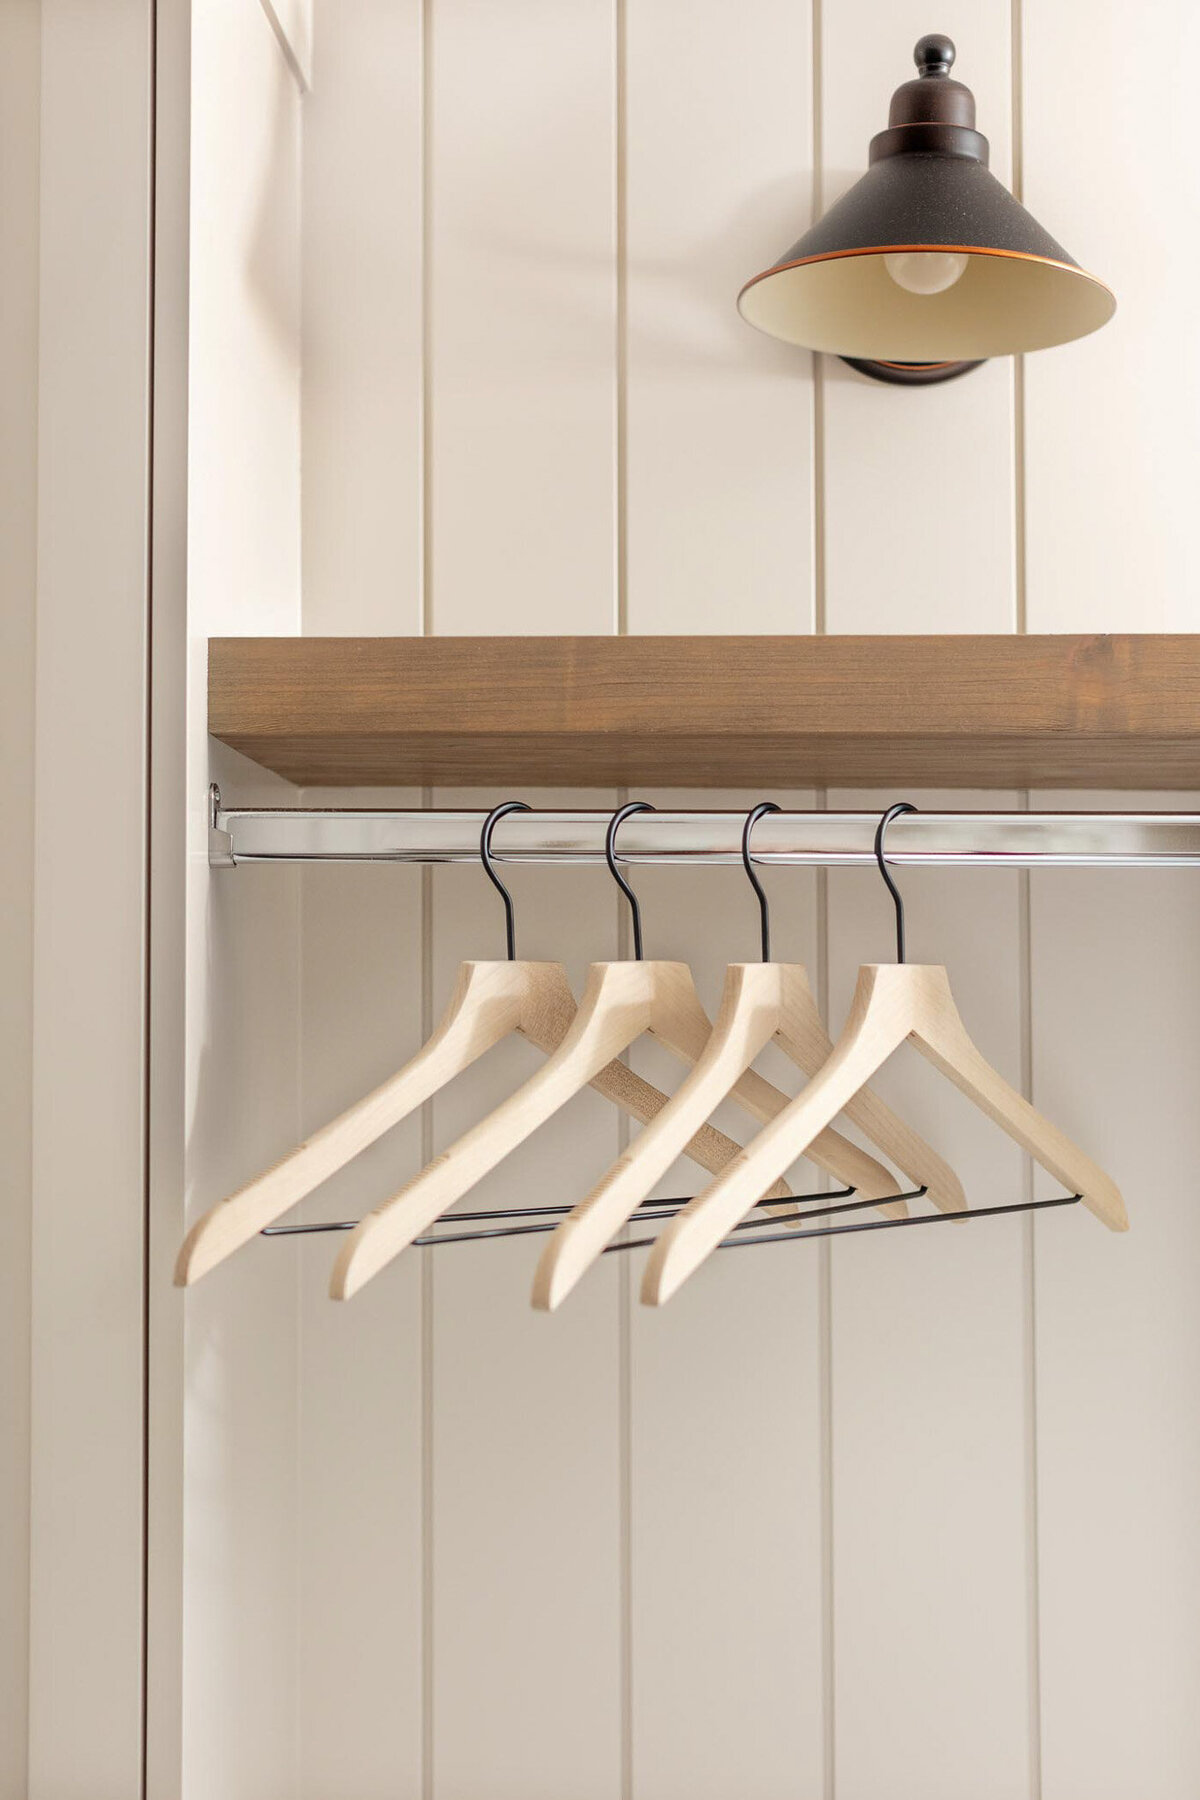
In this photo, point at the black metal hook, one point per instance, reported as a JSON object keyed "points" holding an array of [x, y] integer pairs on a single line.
{"points": [[485, 853], [893, 812], [610, 857], [752, 818]]}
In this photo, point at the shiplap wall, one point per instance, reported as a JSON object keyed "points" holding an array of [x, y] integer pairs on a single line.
{"points": [[909, 1517]]}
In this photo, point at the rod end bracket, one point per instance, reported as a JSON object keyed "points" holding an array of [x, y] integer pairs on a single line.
{"points": [[220, 842]]}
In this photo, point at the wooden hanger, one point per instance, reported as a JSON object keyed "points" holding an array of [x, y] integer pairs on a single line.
{"points": [[892, 1002], [621, 1001], [490, 1001], [761, 1002]]}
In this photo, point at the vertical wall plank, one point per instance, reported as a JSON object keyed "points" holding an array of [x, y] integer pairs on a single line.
{"points": [[244, 419], [243, 1021], [901, 461], [522, 387], [523, 328], [88, 1122], [361, 1526], [362, 477], [526, 1473], [360, 1375], [1118, 1455], [1111, 419], [930, 1563], [20, 81], [718, 486], [1116, 971], [726, 1466], [928, 1344], [927, 1328], [717, 161]]}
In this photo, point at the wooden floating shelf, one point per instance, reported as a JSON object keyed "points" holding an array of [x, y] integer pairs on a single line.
{"points": [[759, 712]]}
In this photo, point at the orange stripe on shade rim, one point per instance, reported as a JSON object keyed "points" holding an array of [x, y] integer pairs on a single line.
{"points": [[1050, 262]]}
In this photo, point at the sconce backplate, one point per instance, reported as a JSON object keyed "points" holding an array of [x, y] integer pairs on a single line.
{"points": [[902, 374]]}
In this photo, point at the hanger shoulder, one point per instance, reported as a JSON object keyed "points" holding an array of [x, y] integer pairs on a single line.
{"points": [[940, 1035], [548, 1008], [878, 1022], [684, 1028], [806, 1041], [745, 1022], [485, 1006], [545, 1024], [708, 1148], [615, 1009]]}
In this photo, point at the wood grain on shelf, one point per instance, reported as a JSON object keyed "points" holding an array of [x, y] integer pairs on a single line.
{"points": [[1080, 711]]}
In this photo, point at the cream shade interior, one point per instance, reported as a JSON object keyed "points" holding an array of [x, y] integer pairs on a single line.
{"points": [[1001, 304]]}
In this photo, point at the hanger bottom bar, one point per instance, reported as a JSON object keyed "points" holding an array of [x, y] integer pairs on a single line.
{"points": [[796, 1227]]}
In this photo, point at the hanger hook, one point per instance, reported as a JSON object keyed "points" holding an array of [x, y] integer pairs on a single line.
{"points": [[485, 854], [752, 818], [893, 812], [610, 857]]}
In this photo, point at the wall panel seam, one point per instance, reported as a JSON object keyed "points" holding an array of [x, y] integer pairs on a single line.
{"points": [[825, 1252], [620, 615], [1025, 891], [425, 574]]}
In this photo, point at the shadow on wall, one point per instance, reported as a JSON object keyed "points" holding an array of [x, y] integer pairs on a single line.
{"points": [[271, 267], [682, 304]]}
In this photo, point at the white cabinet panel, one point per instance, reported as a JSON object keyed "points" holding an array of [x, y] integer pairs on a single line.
{"points": [[88, 1077], [19, 103]]}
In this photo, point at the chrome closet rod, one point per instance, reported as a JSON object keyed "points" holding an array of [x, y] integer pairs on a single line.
{"points": [[1022, 840]]}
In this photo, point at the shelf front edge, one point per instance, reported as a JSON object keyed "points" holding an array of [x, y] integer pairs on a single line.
{"points": [[1070, 712]]}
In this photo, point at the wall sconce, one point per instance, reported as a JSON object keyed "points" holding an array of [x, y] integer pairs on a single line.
{"points": [[928, 265]]}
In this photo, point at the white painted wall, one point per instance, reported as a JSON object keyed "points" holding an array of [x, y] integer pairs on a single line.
{"points": [[902, 1518]]}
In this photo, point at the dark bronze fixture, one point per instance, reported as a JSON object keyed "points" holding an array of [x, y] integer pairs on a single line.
{"points": [[928, 265]]}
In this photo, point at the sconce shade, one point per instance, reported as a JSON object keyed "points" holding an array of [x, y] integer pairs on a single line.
{"points": [[928, 191]]}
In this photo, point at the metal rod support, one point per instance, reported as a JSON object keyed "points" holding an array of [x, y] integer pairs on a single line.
{"points": [[1016, 840]]}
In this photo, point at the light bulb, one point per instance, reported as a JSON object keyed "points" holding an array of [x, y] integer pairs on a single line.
{"points": [[925, 271]]}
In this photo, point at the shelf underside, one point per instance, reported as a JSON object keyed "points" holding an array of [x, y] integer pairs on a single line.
{"points": [[769, 712]]}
